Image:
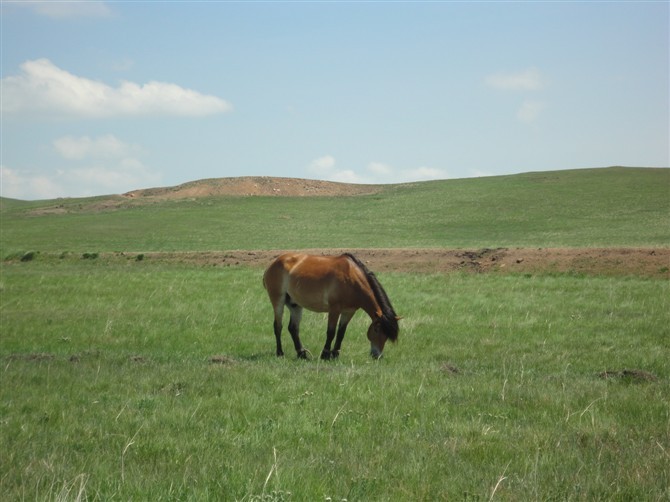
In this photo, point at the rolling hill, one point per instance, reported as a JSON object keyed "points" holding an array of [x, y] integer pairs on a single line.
{"points": [[587, 208]]}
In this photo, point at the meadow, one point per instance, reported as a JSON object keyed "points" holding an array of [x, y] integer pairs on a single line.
{"points": [[145, 380]]}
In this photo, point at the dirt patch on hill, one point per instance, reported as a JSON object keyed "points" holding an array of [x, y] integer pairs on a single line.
{"points": [[255, 186], [646, 262], [245, 186]]}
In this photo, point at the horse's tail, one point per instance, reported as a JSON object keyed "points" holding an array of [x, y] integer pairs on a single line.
{"points": [[389, 319]]}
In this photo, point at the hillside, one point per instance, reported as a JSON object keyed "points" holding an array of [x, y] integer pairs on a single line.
{"points": [[612, 208]]}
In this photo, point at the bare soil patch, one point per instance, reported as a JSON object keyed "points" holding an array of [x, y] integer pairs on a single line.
{"points": [[254, 186], [646, 262], [632, 375]]}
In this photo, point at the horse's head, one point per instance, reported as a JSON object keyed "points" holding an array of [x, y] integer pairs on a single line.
{"points": [[377, 339], [381, 330]]}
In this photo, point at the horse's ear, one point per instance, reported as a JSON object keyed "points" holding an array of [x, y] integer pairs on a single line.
{"points": [[398, 318]]}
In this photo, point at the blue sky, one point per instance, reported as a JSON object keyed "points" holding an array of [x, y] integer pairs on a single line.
{"points": [[106, 97]]}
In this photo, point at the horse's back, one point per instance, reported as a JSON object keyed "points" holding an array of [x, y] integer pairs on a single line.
{"points": [[283, 264], [276, 275], [306, 264], [313, 281]]}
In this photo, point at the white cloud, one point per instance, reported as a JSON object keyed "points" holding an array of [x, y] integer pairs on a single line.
{"points": [[348, 176], [375, 172], [119, 177], [325, 168], [423, 174], [96, 166], [527, 80], [322, 165], [530, 110], [108, 146], [380, 169], [43, 88], [478, 173], [58, 9], [385, 173], [84, 181], [18, 185]]}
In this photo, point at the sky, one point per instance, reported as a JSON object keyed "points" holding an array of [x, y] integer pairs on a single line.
{"points": [[104, 97]]}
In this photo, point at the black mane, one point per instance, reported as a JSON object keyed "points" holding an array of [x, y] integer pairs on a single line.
{"points": [[389, 319]]}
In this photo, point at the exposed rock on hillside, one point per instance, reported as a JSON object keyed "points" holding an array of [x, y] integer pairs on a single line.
{"points": [[255, 185]]}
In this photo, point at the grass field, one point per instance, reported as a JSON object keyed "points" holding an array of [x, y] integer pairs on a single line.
{"points": [[152, 382], [142, 380]]}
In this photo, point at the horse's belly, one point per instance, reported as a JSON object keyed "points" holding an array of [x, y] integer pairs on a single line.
{"points": [[314, 299], [310, 302]]}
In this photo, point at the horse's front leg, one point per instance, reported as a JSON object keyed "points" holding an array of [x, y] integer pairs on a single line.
{"points": [[341, 330], [330, 334]]}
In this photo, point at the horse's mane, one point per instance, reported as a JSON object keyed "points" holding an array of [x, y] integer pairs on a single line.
{"points": [[389, 319]]}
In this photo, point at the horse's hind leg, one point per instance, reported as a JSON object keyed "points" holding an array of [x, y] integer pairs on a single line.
{"points": [[277, 329], [277, 300], [294, 327], [275, 283]]}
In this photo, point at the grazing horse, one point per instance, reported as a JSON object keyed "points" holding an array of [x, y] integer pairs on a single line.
{"points": [[339, 285]]}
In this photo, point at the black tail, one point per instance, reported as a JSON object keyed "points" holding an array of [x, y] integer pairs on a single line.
{"points": [[389, 319]]}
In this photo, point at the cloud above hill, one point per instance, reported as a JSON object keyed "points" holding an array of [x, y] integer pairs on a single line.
{"points": [[43, 89], [325, 168], [78, 148], [98, 165], [530, 110], [526, 80]]}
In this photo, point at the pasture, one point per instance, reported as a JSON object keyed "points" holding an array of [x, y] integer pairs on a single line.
{"points": [[144, 379]]}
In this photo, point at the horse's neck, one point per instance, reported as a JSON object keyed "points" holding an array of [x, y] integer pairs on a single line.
{"points": [[368, 301], [370, 305]]}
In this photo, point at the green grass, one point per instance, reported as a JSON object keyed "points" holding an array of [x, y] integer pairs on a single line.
{"points": [[581, 208], [141, 380], [493, 390]]}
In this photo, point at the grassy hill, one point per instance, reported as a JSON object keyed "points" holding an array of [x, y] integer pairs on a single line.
{"points": [[575, 208]]}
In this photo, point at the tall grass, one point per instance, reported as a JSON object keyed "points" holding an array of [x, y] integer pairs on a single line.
{"points": [[150, 382]]}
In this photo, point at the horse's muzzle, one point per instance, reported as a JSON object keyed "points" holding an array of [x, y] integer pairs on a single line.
{"points": [[375, 352]]}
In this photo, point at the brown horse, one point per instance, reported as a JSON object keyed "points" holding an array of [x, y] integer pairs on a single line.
{"points": [[339, 285]]}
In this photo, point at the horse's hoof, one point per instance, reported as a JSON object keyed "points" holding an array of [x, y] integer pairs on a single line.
{"points": [[335, 354], [302, 354], [326, 355], [280, 354]]}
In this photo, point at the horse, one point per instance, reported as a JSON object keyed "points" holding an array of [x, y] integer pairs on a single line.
{"points": [[338, 285]]}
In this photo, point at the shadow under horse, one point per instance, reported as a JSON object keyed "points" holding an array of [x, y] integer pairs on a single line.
{"points": [[338, 285]]}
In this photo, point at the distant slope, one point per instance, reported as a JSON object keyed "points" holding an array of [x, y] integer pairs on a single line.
{"points": [[610, 207], [7, 204]]}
